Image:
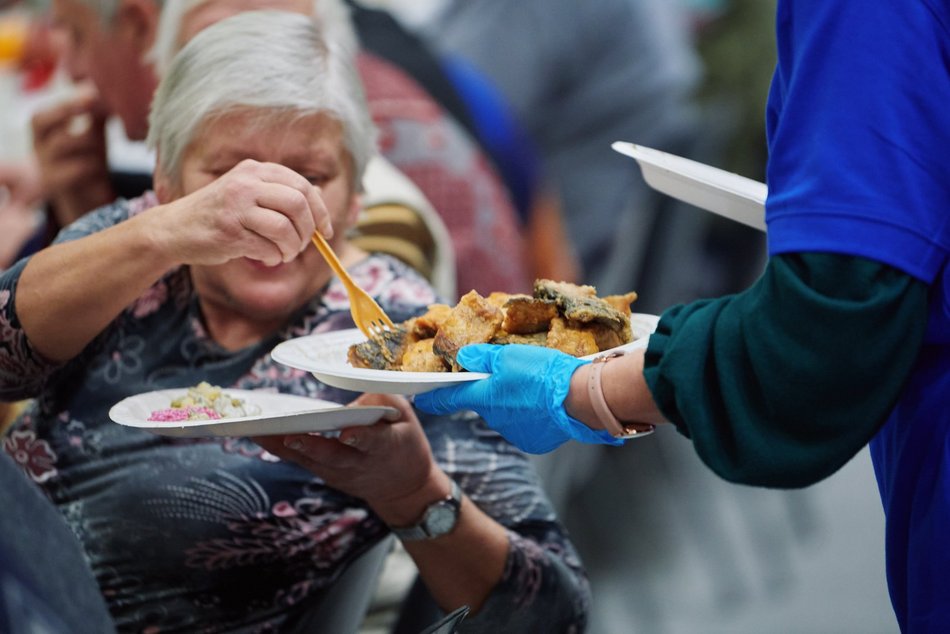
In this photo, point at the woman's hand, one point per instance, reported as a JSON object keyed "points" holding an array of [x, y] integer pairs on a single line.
{"points": [[262, 211], [388, 464]]}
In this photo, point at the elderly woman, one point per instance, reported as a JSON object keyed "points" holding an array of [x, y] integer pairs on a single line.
{"points": [[262, 137]]}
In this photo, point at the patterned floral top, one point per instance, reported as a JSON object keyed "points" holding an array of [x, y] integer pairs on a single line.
{"points": [[216, 535]]}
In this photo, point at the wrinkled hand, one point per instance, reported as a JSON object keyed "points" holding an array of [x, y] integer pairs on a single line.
{"points": [[523, 399], [381, 463], [69, 141], [262, 211]]}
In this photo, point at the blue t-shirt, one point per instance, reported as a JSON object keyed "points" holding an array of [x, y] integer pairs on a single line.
{"points": [[859, 142]]}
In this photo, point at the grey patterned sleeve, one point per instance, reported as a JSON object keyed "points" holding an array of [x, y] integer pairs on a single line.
{"points": [[544, 587], [99, 219], [23, 371]]}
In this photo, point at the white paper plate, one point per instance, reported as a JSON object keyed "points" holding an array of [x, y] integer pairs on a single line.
{"points": [[324, 355], [280, 414], [731, 195]]}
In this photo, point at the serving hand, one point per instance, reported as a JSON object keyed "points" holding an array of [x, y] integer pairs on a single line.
{"points": [[523, 399]]}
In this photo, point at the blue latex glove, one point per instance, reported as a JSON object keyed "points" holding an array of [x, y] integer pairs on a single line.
{"points": [[523, 399]]}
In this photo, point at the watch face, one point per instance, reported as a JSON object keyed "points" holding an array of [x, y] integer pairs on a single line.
{"points": [[441, 519]]}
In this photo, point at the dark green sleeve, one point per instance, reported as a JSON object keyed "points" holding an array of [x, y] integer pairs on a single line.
{"points": [[782, 384]]}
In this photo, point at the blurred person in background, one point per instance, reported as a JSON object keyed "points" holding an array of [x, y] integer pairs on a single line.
{"points": [[27, 62], [496, 125], [736, 42], [418, 136], [579, 76], [843, 340], [102, 47], [258, 147]]}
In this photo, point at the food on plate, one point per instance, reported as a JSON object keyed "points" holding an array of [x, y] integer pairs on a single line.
{"points": [[561, 315], [204, 402]]}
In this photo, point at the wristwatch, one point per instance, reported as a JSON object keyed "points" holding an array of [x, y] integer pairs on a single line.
{"points": [[439, 518]]}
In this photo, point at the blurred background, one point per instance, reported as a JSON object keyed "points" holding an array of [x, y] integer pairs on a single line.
{"points": [[550, 84], [671, 548]]}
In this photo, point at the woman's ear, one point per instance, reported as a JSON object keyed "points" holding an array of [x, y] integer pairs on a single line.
{"points": [[353, 213], [162, 185]]}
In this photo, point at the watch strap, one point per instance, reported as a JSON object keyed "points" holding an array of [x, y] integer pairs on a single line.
{"points": [[410, 533]]}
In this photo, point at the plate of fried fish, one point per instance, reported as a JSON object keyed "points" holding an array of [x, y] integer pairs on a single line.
{"points": [[419, 354]]}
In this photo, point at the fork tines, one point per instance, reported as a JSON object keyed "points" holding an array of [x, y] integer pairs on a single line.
{"points": [[378, 327]]}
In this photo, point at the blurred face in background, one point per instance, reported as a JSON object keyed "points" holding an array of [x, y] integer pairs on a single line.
{"points": [[111, 55]]}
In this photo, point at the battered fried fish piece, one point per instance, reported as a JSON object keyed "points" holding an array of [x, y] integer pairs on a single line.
{"points": [[534, 339], [427, 324], [420, 358], [573, 339], [581, 304], [473, 320], [525, 315], [498, 299], [383, 352], [562, 291], [561, 315], [622, 302], [605, 336]]}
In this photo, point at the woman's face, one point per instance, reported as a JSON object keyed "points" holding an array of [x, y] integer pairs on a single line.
{"points": [[311, 145]]}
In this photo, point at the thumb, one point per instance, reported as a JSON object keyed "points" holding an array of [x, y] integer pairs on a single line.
{"points": [[479, 357], [447, 400], [474, 358], [441, 401]]}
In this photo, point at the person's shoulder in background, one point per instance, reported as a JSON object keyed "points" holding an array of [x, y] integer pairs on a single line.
{"points": [[451, 169]]}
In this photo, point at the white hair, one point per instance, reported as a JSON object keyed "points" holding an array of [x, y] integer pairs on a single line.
{"points": [[332, 16], [275, 62]]}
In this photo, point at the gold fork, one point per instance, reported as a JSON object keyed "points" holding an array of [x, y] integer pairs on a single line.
{"points": [[368, 316]]}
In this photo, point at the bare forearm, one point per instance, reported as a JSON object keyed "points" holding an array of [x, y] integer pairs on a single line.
{"points": [[70, 292], [463, 567], [625, 390]]}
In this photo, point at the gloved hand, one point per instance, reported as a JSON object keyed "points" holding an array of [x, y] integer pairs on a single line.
{"points": [[523, 399]]}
